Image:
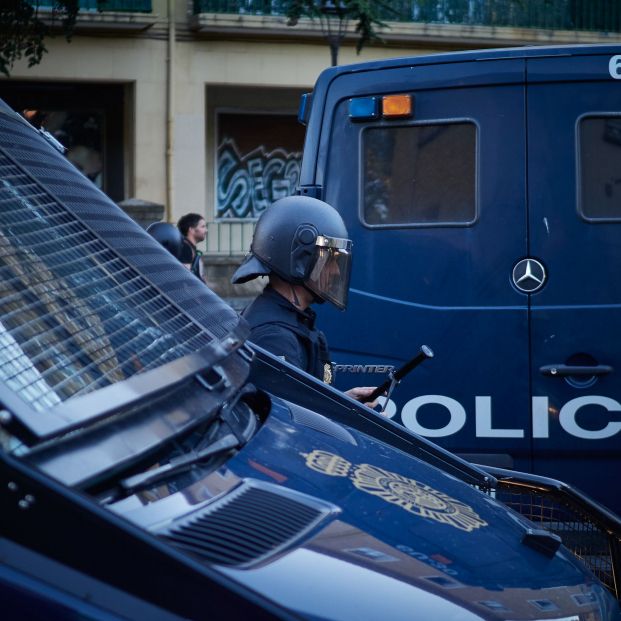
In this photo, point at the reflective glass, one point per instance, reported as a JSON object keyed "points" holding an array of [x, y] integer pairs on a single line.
{"points": [[74, 316], [600, 166], [329, 277], [419, 174]]}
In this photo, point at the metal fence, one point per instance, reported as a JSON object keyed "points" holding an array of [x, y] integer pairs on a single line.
{"points": [[589, 15], [121, 6]]}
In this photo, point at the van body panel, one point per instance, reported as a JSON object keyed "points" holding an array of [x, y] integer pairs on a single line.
{"points": [[574, 223], [545, 121], [457, 275]]}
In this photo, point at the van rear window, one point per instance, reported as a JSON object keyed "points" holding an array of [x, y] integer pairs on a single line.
{"points": [[419, 174], [600, 168]]}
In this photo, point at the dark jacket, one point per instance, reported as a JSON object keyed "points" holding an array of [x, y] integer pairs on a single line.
{"points": [[282, 329], [191, 256]]}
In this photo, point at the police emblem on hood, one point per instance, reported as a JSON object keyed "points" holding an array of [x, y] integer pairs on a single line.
{"points": [[409, 494]]}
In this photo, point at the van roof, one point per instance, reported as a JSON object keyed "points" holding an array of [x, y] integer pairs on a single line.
{"points": [[477, 55]]}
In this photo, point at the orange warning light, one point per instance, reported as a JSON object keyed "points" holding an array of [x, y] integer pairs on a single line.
{"points": [[397, 105]]}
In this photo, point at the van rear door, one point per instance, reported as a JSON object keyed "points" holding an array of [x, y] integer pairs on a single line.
{"points": [[574, 199], [436, 206]]}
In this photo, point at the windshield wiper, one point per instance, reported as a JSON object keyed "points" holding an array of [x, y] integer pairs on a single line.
{"points": [[179, 464], [231, 415]]}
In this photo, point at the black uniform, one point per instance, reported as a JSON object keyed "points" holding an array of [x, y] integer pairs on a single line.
{"points": [[190, 255], [282, 329]]}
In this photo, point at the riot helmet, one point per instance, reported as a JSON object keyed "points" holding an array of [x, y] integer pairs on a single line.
{"points": [[303, 241], [168, 235]]}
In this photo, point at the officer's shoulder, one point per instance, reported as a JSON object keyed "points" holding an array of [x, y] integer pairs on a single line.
{"points": [[279, 340], [267, 309]]}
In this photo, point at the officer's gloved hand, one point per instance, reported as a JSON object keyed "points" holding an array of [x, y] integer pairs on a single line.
{"points": [[361, 393]]}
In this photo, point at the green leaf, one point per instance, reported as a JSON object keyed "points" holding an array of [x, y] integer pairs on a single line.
{"points": [[22, 31]]}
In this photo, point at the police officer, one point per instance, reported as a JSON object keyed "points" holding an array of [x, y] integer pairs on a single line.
{"points": [[167, 235], [302, 245]]}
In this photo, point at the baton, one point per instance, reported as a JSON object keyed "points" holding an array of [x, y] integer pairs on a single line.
{"points": [[395, 377]]}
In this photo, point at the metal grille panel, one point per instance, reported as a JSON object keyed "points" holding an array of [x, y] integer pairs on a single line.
{"points": [[91, 207], [585, 539], [588, 530], [75, 316]]}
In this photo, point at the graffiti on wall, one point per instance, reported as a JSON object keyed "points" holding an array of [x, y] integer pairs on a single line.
{"points": [[248, 184]]}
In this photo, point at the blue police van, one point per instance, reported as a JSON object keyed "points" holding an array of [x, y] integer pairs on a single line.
{"points": [[154, 466], [483, 195]]}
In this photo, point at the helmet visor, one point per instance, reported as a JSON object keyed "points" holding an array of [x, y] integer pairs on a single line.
{"points": [[329, 278]]}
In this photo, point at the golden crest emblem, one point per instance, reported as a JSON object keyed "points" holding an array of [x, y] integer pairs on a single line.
{"points": [[327, 463], [416, 497], [409, 494], [327, 373]]}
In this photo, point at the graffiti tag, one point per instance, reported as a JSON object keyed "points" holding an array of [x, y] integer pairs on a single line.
{"points": [[248, 184]]}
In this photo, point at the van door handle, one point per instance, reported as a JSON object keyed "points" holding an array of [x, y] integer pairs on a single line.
{"points": [[563, 370]]}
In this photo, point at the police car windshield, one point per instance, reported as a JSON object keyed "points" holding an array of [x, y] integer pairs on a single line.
{"points": [[97, 320], [75, 316]]}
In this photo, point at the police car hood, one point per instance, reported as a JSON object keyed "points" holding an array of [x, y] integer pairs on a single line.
{"points": [[333, 524]]}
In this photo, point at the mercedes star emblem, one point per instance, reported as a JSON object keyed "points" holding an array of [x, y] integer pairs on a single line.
{"points": [[529, 275]]}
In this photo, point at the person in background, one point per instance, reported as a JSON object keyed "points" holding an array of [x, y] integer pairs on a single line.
{"points": [[194, 230], [302, 245]]}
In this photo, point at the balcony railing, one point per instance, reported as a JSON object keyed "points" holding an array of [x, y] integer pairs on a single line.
{"points": [[229, 238], [578, 15], [116, 6]]}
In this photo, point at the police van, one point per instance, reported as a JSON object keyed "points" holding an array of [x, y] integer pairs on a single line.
{"points": [[482, 191], [155, 466]]}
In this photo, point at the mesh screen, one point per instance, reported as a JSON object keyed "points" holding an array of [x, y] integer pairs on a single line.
{"points": [[93, 208], [75, 316], [582, 536]]}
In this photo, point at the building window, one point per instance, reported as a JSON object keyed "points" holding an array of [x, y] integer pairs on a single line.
{"points": [[87, 119], [600, 168], [258, 162], [419, 175], [81, 133]]}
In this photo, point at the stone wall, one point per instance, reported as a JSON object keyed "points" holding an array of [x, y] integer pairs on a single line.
{"points": [[218, 272], [143, 212]]}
